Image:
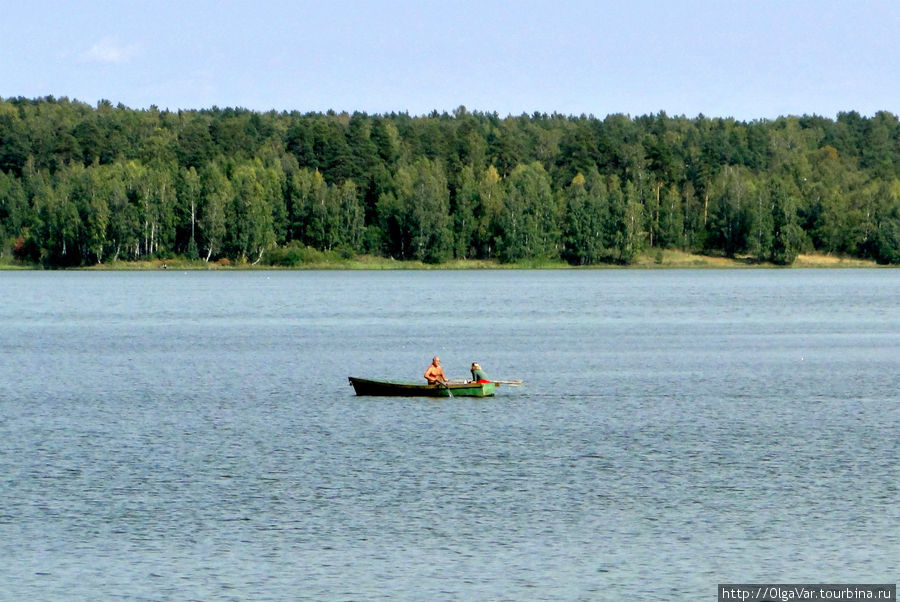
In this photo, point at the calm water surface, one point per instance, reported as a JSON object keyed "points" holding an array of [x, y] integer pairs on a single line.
{"points": [[192, 435]]}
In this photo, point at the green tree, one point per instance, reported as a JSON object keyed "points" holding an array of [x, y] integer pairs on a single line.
{"points": [[578, 151], [14, 145], [216, 194], [251, 224], [386, 138], [424, 198], [314, 218], [629, 239], [886, 247], [760, 224], [787, 236], [587, 233], [154, 188], [95, 212], [15, 211], [390, 219], [730, 205], [334, 156], [124, 229], [505, 146], [58, 223], [860, 222], [189, 195], [529, 221], [491, 201], [464, 206], [363, 149], [471, 145], [195, 146], [351, 213], [670, 219]]}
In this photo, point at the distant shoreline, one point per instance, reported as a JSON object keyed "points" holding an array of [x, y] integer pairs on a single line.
{"points": [[659, 261]]}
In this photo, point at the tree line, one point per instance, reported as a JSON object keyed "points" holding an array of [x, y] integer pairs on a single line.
{"points": [[82, 184]]}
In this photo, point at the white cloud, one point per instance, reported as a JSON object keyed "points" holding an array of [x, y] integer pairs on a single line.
{"points": [[109, 51]]}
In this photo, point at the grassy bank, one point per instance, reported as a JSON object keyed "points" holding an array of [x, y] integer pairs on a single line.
{"points": [[323, 261], [680, 259]]}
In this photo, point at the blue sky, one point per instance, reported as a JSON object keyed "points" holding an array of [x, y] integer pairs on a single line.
{"points": [[747, 59]]}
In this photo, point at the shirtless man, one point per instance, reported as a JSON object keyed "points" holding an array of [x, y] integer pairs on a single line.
{"points": [[435, 374]]}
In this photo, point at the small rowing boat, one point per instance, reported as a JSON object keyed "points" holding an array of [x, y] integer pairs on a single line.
{"points": [[387, 388]]}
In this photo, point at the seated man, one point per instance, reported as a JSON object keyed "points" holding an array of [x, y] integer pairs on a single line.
{"points": [[435, 374]]}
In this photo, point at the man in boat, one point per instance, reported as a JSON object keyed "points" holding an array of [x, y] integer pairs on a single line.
{"points": [[478, 375], [435, 374]]}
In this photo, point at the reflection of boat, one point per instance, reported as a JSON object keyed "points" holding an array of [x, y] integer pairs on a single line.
{"points": [[386, 388]]}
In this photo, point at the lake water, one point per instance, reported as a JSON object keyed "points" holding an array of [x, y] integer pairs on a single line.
{"points": [[174, 435]]}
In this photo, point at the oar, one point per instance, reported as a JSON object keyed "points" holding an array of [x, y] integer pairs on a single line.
{"points": [[511, 383]]}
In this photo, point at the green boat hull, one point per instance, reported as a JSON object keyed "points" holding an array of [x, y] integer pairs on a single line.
{"points": [[386, 388]]}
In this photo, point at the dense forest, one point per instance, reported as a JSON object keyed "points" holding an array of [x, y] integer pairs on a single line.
{"points": [[82, 184]]}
